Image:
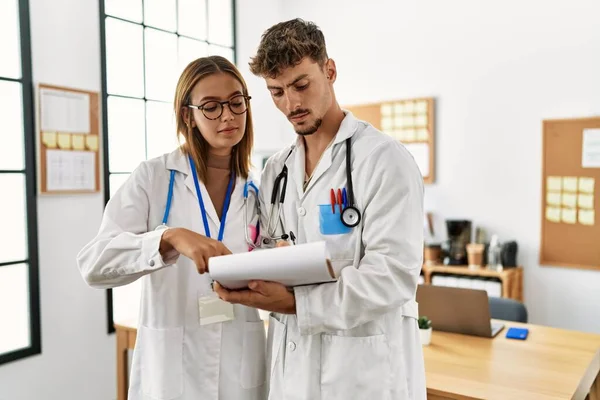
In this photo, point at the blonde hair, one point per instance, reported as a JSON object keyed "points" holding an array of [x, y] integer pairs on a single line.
{"points": [[195, 145]]}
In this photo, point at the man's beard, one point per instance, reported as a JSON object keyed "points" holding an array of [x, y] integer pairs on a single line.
{"points": [[309, 131]]}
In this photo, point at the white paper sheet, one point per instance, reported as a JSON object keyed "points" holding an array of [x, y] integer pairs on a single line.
{"points": [[420, 152], [65, 111], [68, 170], [290, 265], [591, 148]]}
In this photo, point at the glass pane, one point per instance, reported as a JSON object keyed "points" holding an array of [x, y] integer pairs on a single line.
{"points": [[189, 50], [10, 66], [14, 308], [192, 18], [220, 22], [221, 51], [115, 182], [13, 236], [160, 14], [126, 302], [126, 134], [124, 58], [127, 9], [161, 134], [11, 126], [161, 65]]}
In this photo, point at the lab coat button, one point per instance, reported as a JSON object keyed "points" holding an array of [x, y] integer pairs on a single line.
{"points": [[292, 346], [302, 211], [151, 263]]}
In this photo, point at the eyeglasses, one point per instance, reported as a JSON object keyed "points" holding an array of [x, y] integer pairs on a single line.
{"points": [[214, 109]]}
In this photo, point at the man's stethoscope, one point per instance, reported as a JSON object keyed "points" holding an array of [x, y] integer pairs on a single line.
{"points": [[249, 189], [350, 215]]}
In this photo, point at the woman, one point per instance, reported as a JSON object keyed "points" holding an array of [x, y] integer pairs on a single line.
{"points": [[190, 344]]}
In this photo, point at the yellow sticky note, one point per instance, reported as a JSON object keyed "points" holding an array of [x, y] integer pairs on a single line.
{"points": [[421, 120], [91, 142], [569, 183], [410, 135], [586, 201], [398, 108], [421, 107], [409, 107], [553, 199], [386, 110], [387, 123], [568, 215], [398, 122], [554, 183], [586, 185], [78, 142], [569, 200], [409, 121], [553, 214], [586, 217], [49, 139], [64, 141], [422, 134]]}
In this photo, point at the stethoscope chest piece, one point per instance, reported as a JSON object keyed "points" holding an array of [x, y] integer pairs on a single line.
{"points": [[350, 217]]}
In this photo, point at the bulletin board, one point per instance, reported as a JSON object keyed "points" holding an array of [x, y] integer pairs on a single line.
{"points": [[68, 140], [570, 235], [409, 121]]}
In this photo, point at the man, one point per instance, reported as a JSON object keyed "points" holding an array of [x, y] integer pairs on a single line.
{"points": [[356, 338]]}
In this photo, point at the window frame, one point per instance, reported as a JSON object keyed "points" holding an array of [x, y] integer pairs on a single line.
{"points": [[29, 172], [105, 95]]}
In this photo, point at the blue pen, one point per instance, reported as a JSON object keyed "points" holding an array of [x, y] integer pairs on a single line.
{"points": [[344, 198]]}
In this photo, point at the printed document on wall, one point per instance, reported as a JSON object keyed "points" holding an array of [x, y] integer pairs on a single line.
{"points": [[66, 112], [420, 152], [69, 170], [590, 157]]}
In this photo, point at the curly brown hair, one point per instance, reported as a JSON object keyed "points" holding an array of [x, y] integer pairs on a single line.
{"points": [[285, 44]]}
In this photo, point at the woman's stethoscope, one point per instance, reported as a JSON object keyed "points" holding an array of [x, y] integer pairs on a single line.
{"points": [[350, 215], [249, 189]]}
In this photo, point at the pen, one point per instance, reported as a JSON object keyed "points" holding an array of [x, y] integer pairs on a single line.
{"points": [[332, 199], [344, 198], [339, 199]]}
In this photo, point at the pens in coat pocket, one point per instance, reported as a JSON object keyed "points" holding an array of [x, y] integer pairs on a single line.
{"points": [[344, 198], [340, 200], [332, 199]]}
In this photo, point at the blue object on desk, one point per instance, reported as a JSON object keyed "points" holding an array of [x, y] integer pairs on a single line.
{"points": [[517, 333]]}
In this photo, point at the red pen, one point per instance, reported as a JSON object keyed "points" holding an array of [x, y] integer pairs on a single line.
{"points": [[332, 198], [339, 200]]}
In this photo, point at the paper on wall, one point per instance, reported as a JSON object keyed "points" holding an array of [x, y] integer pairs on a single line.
{"points": [[590, 157], [289, 265], [553, 214]]}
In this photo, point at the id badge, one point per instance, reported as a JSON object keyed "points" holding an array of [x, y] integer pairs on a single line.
{"points": [[213, 310]]}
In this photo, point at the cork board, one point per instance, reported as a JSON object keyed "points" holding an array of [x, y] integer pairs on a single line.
{"points": [[410, 121], [570, 231], [68, 140]]}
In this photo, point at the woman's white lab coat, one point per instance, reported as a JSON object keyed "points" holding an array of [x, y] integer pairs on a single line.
{"points": [[175, 357], [356, 338]]}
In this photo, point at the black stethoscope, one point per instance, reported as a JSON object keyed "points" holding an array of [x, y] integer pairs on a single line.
{"points": [[350, 216]]}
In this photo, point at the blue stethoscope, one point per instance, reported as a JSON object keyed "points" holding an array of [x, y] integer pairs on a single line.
{"points": [[249, 189]]}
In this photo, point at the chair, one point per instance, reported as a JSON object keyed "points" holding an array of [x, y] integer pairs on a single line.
{"points": [[507, 309]]}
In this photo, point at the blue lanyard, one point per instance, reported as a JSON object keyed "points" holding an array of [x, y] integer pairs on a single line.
{"points": [[201, 202]]}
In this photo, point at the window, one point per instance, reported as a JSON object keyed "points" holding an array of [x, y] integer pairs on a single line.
{"points": [[19, 290], [146, 44]]}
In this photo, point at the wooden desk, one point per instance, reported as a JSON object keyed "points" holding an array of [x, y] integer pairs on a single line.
{"points": [[550, 364], [511, 279]]}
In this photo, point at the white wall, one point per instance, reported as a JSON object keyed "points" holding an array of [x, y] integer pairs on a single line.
{"points": [[78, 356], [496, 69]]}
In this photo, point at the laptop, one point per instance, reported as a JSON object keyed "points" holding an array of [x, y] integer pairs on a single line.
{"points": [[457, 310]]}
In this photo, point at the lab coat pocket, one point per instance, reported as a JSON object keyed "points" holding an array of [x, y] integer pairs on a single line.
{"points": [[275, 342], [253, 369], [355, 368], [330, 222], [161, 359]]}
